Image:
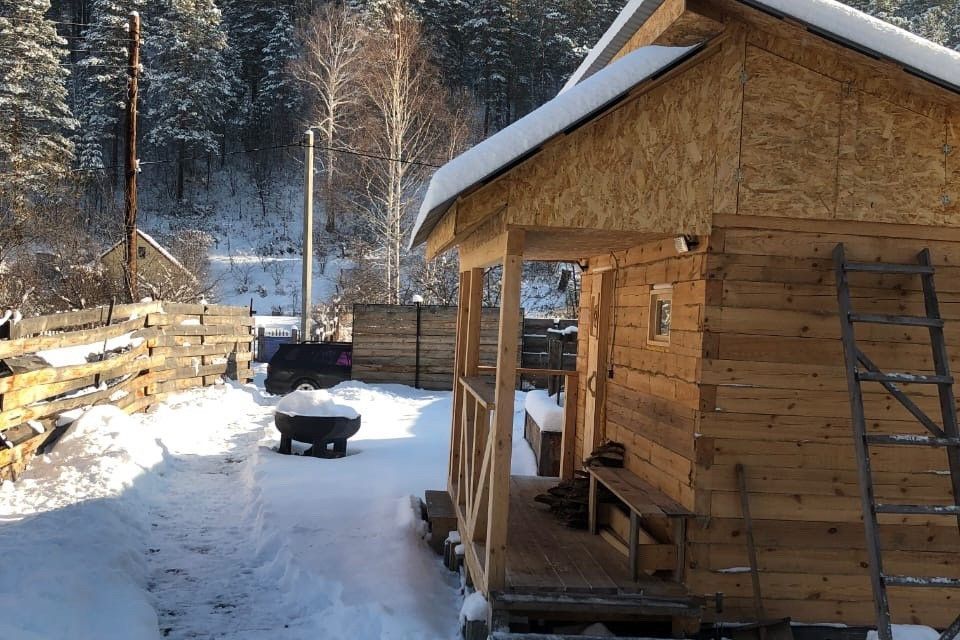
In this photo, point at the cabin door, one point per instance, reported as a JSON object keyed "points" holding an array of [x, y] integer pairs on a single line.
{"points": [[601, 301]]}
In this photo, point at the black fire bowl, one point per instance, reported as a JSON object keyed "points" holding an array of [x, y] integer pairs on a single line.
{"points": [[327, 435]]}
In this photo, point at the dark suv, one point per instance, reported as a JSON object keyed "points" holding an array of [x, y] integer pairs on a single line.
{"points": [[309, 365]]}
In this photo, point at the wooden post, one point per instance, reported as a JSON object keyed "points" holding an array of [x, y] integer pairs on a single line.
{"points": [[131, 163], [474, 317], [467, 361], [458, 369], [568, 442], [307, 236], [499, 505]]}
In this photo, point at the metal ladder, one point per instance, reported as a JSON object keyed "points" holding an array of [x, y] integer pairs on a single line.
{"points": [[859, 369]]}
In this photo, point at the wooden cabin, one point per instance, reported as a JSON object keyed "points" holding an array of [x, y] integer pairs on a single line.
{"points": [[701, 167], [154, 262]]}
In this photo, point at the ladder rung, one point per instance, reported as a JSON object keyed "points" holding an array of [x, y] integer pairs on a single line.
{"points": [[886, 267], [903, 378], [919, 509], [910, 321], [911, 581], [911, 439]]}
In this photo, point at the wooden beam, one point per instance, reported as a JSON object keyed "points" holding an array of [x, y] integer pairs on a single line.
{"points": [[474, 315], [459, 361], [499, 497], [483, 254], [568, 441]]}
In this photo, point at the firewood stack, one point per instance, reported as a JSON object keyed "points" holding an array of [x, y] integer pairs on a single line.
{"points": [[569, 500]]}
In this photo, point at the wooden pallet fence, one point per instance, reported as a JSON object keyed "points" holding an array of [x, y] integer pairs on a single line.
{"points": [[164, 347], [535, 348], [385, 343]]}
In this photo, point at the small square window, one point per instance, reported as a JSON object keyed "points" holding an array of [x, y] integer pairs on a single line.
{"points": [[661, 307], [141, 252]]}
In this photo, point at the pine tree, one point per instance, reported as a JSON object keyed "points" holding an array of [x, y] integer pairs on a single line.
{"points": [[36, 121], [261, 35], [279, 92], [444, 27], [103, 82], [490, 31], [190, 84]]}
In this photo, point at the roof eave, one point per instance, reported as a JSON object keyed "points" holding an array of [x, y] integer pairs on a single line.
{"points": [[435, 214]]}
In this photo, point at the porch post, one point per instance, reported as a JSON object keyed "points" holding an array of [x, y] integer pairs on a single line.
{"points": [[453, 465], [499, 503], [466, 360], [475, 307]]}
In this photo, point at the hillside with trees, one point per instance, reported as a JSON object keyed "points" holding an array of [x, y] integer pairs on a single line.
{"points": [[392, 88]]}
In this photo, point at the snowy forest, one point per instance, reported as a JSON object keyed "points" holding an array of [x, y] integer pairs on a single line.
{"points": [[392, 89]]}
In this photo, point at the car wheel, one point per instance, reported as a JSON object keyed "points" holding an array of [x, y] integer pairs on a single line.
{"points": [[305, 385]]}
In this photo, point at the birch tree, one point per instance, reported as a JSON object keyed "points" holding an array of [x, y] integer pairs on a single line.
{"points": [[330, 69], [408, 132]]}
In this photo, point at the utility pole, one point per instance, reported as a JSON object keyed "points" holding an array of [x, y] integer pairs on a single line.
{"points": [[307, 236], [131, 163]]}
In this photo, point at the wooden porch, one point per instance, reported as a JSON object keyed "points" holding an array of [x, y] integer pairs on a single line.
{"points": [[520, 556], [543, 555]]}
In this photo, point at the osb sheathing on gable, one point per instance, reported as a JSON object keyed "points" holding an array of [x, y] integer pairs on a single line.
{"points": [[647, 166], [789, 143], [820, 148], [776, 121]]}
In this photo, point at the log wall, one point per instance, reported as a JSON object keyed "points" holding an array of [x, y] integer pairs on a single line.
{"points": [[172, 347], [653, 398], [815, 145], [775, 400]]}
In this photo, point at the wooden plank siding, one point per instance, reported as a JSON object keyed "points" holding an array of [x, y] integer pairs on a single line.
{"points": [[812, 150], [773, 365], [652, 398]]}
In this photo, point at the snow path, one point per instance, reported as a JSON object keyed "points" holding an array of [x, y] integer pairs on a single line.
{"points": [[233, 548], [203, 569], [186, 523]]}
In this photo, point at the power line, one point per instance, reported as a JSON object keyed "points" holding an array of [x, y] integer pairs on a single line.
{"points": [[366, 154], [143, 163]]}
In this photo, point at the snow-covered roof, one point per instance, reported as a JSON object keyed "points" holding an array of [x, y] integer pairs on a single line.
{"points": [[828, 17], [524, 137], [631, 18], [153, 243]]}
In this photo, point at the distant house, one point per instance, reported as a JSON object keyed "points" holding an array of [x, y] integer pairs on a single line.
{"points": [[154, 262]]}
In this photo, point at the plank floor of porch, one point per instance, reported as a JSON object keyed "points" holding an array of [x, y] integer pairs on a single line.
{"points": [[543, 554]]}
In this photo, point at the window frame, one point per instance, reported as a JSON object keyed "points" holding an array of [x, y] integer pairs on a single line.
{"points": [[658, 294], [142, 252]]}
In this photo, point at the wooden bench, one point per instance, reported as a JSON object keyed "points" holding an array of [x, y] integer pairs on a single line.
{"points": [[643, 500]]}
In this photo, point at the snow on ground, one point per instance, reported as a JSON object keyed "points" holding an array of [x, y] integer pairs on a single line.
{"points": [[186, 523], [257, 238]]}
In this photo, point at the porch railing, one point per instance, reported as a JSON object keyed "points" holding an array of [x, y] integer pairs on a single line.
{"points": [[471, 474]]}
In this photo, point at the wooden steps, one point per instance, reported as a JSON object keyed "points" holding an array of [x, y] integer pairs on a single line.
{"points": [[441, 516], [600, 607]]}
